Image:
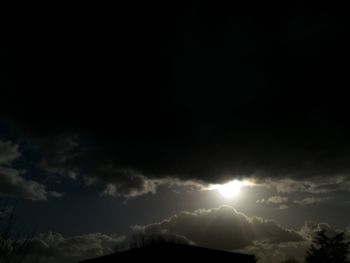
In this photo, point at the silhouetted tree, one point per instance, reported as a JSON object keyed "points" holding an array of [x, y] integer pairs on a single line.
{"points": [[327, 249], [13, 245]]}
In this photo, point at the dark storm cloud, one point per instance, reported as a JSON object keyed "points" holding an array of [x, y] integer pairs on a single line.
{"points": [[202, 93]]}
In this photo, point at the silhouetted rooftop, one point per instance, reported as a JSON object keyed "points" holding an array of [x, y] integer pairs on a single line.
{"points": [[164, 252]]}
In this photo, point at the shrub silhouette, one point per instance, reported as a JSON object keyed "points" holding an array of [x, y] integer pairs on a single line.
{"points": [[327, 249]]}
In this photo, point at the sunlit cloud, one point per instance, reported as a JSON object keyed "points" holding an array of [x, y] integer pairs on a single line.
{"points": [[230, 189]]}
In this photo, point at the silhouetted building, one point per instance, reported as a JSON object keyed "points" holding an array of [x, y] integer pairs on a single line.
{"points": [[165, 252]]}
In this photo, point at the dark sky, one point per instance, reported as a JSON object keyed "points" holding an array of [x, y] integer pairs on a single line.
{"points": [[118, 116]]}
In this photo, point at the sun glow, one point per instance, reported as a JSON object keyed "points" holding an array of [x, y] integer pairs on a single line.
{"points": [[230, 189]]}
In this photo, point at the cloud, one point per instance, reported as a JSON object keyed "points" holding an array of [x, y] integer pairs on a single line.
{"points": [[142, 186], [310, 228], [195, 113], [222, 228], [59, 155], [12, 181], [225, 228], [277, 200], [8, 152], [274, 200], [68, 157], [135, 184], [64, 156], [13, 184], [219, 228], [276, 253], [316, 185], [140, 238], [119, 182], [283, 207], [311, 201], [55, 248]]}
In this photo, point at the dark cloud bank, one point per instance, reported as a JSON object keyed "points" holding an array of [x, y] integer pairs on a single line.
{"points": [[199, 93]]}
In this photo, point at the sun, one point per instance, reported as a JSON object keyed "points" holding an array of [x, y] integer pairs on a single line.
{"points": [[228, 190]]}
